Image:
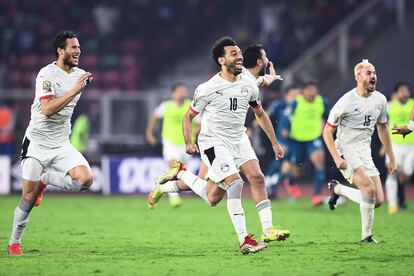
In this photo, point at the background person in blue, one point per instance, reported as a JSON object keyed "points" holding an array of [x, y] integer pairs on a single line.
{"points": [[306, 116], [278, 170]]}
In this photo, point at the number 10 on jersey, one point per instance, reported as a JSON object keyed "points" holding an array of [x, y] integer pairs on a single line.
{"points": [[233, 104]]}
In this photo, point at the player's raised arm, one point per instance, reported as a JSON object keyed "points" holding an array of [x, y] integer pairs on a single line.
{"points": [[52, 105], [268, 79]]}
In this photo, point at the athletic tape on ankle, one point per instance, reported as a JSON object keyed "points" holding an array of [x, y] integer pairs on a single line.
{"points": [[263, 204], [25, 206], [235, 189]]}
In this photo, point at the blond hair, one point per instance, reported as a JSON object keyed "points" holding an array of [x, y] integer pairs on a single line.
{"points": [[361, 65]]}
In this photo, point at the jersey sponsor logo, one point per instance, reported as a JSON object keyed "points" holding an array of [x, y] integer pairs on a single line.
{"points": [[220, 92], [47, 86], [224, 167]]}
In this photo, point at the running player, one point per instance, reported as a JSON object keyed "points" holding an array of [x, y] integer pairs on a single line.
{"points": [[46, 143], [172, 112], [355, 115], [307, 114], [225, 148], [256, 62], [398, 113], [278, 171]]}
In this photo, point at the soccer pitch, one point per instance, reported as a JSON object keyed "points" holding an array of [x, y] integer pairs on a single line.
{"points": [[85, 235]]}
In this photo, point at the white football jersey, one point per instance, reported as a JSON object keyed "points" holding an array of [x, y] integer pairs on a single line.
{"points": [[224, 106], [356, 117], [54, 131]]}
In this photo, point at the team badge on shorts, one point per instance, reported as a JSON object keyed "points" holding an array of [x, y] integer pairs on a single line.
{"points": [[224, 167]]}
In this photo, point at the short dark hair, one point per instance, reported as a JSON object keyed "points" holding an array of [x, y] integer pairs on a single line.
{"points": [[309, 82], [176, 85], [400, 84], [60, 40], [218, 48], [251, 54], [291, 87]]}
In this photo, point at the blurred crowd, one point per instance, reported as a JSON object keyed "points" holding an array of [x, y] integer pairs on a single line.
{"points": [[126, 44], [129, 44], [288, 28]]}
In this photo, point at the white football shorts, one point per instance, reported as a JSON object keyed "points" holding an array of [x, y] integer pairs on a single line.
{"points": [[404, 156], [223, 161], [36, 158], [174, 152]]}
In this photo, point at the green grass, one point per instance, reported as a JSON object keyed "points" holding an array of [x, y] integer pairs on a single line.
{"points": [[86, 235]]}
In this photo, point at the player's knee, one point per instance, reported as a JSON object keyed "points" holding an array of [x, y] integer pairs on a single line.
{"points": [[214, 200], [86, 181], [257, 180], [369, 190], [30, 198]]}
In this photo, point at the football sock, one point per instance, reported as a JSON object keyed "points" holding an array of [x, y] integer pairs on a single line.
{"points": [[20, 220], [367, 215], [401, 194], [198, 185], [170, 187], [235, 209], [65, 182], [391, 189], [351, 193], [265, 213], [318, 180]]}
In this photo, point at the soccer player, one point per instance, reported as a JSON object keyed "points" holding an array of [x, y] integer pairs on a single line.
{"points": [[398, 113], [46, 144], [307, 114], [172, 112], [256, 62], [278, 171], [224, 146], [355, 115]]}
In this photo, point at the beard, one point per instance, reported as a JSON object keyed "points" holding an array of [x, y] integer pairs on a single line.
{"points": [[67, 61], [231, 67], [262, 71]]}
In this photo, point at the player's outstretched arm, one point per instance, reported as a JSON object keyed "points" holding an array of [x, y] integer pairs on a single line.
{"points": [[385, 139], [191, 147], [268, 79], [405, 130], [51, 106], [266, 125], [328, 132]]}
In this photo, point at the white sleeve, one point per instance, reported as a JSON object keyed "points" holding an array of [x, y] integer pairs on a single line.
{"points": [[383, 119], [337, 113], [159, 111], [44, 85], [200, 100]]}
